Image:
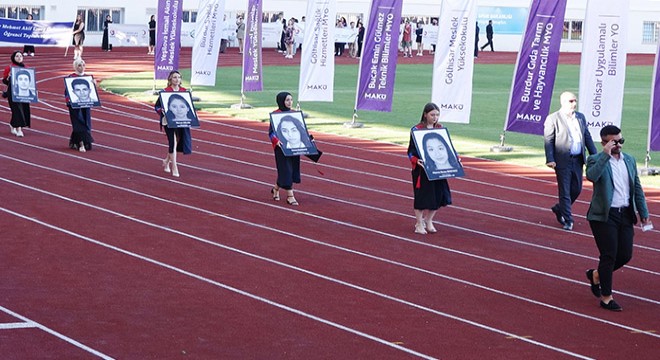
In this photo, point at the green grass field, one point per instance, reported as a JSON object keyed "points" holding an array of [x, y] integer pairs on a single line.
{"points": [[491, 90]]}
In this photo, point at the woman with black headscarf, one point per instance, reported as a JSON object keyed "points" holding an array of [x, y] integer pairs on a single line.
{"points": [[20, 112], [288, 167]]}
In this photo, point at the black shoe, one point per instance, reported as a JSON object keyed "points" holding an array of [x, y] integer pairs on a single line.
{"points": [[612, 305], [560, 218], [568, 226], [595, 288]]}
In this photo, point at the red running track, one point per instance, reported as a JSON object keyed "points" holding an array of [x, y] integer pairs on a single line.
{"points": [[105, 255]]}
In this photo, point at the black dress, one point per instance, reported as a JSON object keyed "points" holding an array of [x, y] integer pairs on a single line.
{"points": [[105, 44], [152, 33]]}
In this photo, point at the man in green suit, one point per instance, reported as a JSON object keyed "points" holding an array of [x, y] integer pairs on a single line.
{"points": [[617, 199]]}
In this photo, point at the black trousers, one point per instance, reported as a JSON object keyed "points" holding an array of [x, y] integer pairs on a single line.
{"points": [[614, 239]]}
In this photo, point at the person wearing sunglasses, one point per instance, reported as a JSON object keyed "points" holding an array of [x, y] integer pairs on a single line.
{"points": [[616, 200], [566, 135]]}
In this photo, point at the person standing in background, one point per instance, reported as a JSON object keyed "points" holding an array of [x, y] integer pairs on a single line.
{"points": [[152, 35], [617, 199], [240, 33], [105, 44], [476, 42], [566, 135], [360, 38], [489, 36], [78, 36], [28, 49]]}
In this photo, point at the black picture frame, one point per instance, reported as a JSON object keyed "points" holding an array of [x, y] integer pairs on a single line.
{"points": [[436, 141], [23, 85], [171, 101], [287, 125], [82, 92]]}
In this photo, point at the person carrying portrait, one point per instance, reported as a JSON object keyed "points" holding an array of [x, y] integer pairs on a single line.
{"points": [[178, 139], [429, 196], [566, 135], [616, 200], [20, 111], [294, 135], [81, 118]]}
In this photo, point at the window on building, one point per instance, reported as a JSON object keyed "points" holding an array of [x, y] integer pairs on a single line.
{"points": [[21, 12], [95, 17], [189, 16], [650, 32], [572, 30]]}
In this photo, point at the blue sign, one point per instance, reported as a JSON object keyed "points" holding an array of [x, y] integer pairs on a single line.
{"points": [[35, 32], [506, 20]]}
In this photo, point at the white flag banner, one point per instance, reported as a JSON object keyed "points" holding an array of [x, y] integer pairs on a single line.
{"points": [[317, 62], [603, 64], [207, 42], [453, 63], [128, 35]]}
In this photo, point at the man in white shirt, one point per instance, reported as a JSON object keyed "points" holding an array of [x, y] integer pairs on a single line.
{"points": [[566, 135]]}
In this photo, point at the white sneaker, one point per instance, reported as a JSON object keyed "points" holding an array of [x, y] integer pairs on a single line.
{"points": [[19, 132], [12, 129]]}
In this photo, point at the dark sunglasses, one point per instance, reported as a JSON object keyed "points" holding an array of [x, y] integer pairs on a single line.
{"points": [[572, 100], [620, 141]]}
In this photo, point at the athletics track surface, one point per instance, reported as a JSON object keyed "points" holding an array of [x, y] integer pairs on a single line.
{"points": [[104, 255]]}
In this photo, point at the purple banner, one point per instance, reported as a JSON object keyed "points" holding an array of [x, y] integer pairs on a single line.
{"points": [[536, 67], [168, 37], [379, 57], [654, 121], [252, 75]]}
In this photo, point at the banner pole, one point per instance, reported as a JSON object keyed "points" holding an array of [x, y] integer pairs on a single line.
{"points": [[353, 124]]}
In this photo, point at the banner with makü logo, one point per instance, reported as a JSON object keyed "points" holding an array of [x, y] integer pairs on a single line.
{"points": [[317, 62], [207, 42], [453, 63]]}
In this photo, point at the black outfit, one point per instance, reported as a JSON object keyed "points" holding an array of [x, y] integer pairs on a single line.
{"points": [[81, 124], [105, 44], [360, 40], [476, 42], [418, 33], [428, 195], [152, 33], [489, 36], [288, 167], [20, 112]]}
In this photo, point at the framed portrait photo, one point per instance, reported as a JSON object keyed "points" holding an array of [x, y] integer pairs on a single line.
{"points": [[23, 85], [82, 91], [292, 132], [179, 109], [436, 150]]}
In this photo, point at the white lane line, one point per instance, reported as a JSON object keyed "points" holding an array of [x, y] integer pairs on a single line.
{"points": [[17, 325], [56, 334]]}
